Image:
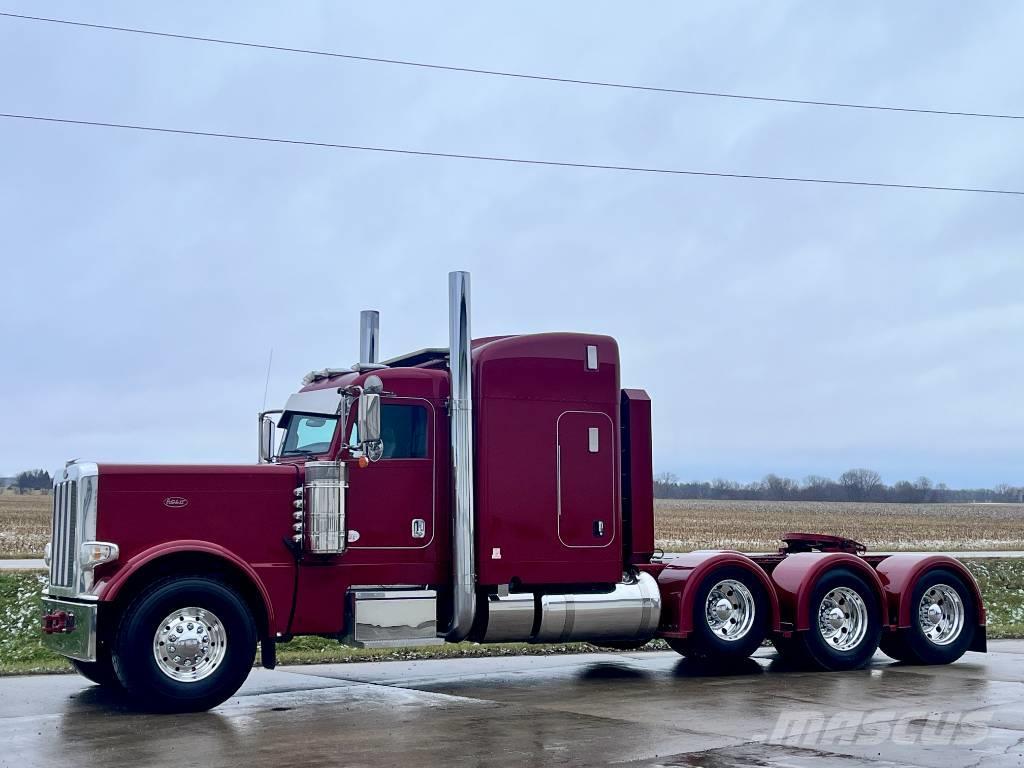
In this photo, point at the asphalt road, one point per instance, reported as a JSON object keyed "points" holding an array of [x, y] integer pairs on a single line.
{"points": [[644, 709]]}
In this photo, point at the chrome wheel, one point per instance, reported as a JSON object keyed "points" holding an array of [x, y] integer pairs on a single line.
{"points": [[190, 644], [843, 618], [941, 614], [729, 610]]}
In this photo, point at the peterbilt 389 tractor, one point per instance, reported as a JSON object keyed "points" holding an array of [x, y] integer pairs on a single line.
{"points": [[497, 490]]}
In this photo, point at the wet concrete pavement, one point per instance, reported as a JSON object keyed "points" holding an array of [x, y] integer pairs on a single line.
{"points": [[644, 709]]}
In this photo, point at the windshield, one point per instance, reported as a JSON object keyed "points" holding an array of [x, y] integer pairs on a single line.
{"points": [[307, 434]]}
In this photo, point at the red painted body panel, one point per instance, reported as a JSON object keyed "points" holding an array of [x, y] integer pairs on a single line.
{"points": [[680, 578], [899, 573], [533, 400], [241, 513], [637, 476], [796, 575]]}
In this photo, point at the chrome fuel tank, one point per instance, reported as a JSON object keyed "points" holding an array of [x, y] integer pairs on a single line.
{"points": [[630, 611]]}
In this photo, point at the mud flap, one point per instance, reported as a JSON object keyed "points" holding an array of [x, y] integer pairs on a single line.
{"points": [[980, 641], [268, 653]]}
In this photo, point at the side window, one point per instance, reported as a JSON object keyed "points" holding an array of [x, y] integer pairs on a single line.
{"points": [[403, 430]]}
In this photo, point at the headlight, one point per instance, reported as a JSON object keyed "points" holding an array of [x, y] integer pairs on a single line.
{"points": [[47, 552], [95, 553]]}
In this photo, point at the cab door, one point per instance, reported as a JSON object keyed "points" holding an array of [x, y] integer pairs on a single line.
{"points": [[392, 502]]}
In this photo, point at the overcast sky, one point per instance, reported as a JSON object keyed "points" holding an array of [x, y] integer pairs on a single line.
{"points": [[784, 328]]}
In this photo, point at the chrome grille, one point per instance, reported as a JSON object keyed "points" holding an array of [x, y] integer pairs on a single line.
{"points": [[65, 533]]}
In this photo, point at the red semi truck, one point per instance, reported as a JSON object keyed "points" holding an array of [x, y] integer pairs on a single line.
{"points": [[497, 490]]}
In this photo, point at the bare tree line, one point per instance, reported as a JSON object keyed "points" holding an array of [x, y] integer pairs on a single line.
{"points": [[30, 480], [853, 485]]}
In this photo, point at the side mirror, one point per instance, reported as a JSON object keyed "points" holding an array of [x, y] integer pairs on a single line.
{"points": [[268, 430], [369, 418]]}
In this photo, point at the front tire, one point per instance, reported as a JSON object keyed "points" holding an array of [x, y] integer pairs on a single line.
{"points": [[730, 617], [846, 624], [185, 645], [100, 671]]}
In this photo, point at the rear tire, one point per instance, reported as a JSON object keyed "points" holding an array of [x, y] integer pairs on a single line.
{"points": [[846, 624], [185, 645], [100, 671], [730, 617], [943, 620]]}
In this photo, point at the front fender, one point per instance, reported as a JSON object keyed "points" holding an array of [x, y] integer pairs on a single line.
{"points": [[682, 575], [108, 590]]}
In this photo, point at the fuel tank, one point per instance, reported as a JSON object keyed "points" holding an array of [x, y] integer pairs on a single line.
{"points": [[630, 611]]}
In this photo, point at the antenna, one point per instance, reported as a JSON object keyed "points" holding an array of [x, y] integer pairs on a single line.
{"points": [[266, 386]]}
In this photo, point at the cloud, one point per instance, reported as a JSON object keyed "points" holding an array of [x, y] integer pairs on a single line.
{"points": [[797, 329]]}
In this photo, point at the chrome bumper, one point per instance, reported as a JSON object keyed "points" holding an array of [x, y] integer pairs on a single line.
{"points": [[70, 628]]}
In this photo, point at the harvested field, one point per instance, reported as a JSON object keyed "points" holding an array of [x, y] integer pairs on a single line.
{"points": [[754, 526], [24, 524]]}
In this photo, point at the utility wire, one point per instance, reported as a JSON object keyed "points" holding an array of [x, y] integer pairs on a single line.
{"points": [[502, 159], [517, 75]]}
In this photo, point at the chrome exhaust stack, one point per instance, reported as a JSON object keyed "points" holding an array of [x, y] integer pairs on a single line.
{"points": [[369, 337], [461, 405]]}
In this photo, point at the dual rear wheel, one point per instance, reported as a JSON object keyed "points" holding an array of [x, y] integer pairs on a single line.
{"points": [[731, 620], [730, 617], [942, 624], [845, 620]]}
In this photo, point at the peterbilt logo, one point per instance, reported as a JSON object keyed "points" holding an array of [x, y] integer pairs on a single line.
{"points": [[175, 502]]}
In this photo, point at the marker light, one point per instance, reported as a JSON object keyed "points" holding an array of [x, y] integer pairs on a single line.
{"points": [[95, 553]]}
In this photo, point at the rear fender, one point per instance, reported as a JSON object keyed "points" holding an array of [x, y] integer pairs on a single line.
{"points": [[899, 574], [679, 580], [797, 574]]}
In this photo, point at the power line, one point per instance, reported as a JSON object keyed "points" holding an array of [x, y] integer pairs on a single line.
{"points": [[501, 159], [516, 75]]}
